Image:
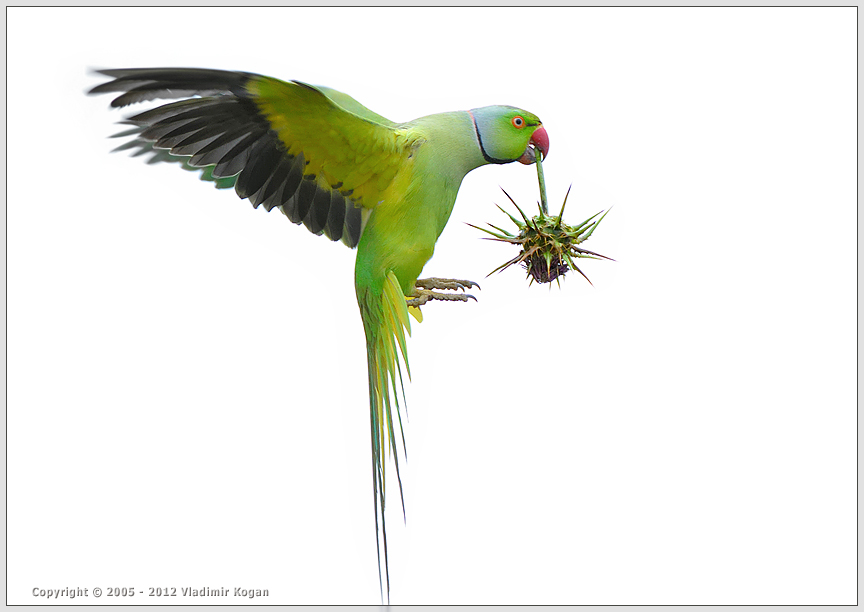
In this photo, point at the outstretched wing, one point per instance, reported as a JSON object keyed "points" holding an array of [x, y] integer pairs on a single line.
{"points": [[317, 154]]}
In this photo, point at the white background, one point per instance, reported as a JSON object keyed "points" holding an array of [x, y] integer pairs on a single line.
{"points": [[186, 379]]}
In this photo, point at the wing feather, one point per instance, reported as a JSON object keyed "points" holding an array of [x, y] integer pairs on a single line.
{"points": [[315, 153]]}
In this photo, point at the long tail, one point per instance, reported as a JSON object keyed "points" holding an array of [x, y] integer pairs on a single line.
{"points": [[385, 316]]}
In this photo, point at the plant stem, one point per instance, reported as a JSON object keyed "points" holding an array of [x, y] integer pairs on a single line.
{"points": [[543, 205]]}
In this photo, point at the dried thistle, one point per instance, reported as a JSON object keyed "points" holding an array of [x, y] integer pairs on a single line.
{"points": [[548, 246]]}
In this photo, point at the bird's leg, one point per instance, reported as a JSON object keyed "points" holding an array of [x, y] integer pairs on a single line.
{"points": [[423, 290]]}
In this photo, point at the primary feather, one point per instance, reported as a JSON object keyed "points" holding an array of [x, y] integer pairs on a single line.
{"points": [[340, 169]]}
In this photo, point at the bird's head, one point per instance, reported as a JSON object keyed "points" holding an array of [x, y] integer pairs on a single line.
{"points": [[507, 134]]}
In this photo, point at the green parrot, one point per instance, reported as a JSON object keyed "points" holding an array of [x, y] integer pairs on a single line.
{"points": [[327, 161]]}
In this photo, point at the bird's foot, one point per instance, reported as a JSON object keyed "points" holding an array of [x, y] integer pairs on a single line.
{"points": [[423, 291], [444, 283]]}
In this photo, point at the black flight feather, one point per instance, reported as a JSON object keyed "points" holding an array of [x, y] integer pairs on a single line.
{"points": [[215, 126]]}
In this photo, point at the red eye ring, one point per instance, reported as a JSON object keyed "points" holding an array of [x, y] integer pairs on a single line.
{"points": [[518, 122]]}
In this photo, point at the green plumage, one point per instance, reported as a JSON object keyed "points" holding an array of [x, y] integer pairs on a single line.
{"points": [[340, 169]]}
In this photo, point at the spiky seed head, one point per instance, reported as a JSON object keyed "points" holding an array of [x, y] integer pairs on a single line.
{"points": [[548, 245]]}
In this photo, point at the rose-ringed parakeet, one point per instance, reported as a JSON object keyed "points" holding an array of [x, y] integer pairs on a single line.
{"points": [[327, 161]]}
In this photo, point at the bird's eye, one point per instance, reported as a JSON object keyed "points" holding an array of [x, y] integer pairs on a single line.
{"points": [[517, 121]]}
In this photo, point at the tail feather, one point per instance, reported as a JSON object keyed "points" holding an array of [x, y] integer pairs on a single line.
{"points": [[387, 322]]}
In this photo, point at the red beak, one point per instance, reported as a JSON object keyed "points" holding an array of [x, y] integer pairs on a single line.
{"points": [[540, 140]]}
